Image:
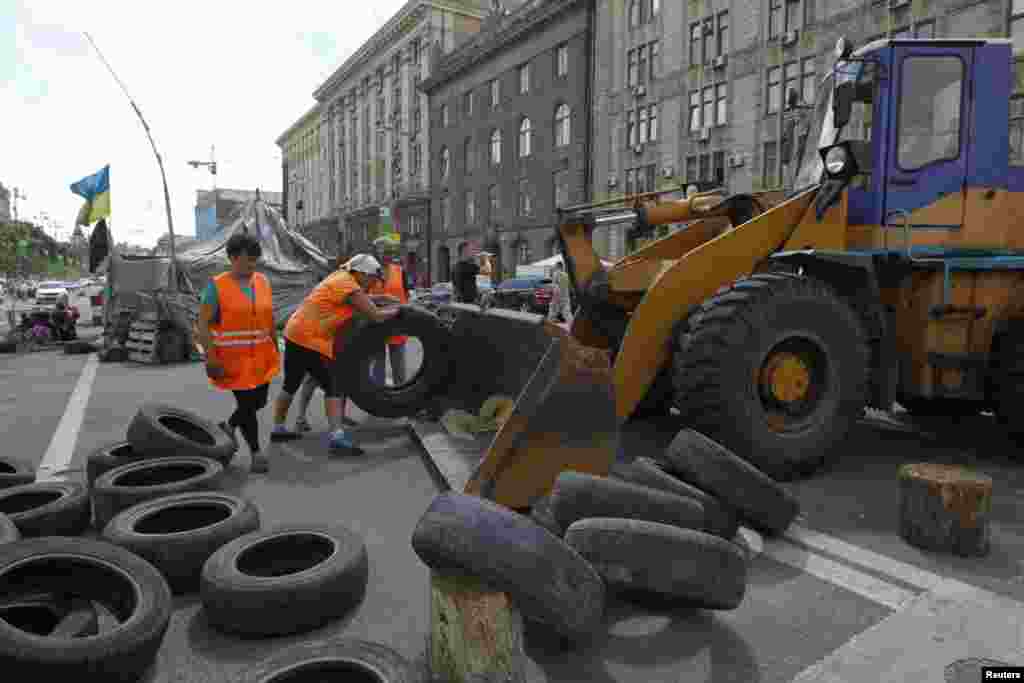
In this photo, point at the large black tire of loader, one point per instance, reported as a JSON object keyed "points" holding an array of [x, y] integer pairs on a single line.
{"points": [[1008, 379], [940, 407], [356, 348], [782, 318]]}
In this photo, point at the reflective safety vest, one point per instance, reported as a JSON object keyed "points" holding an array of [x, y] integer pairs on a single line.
{"points": [[242, 340], [307, 327], [394, 285]]}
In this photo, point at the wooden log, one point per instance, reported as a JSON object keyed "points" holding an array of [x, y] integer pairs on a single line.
{"points": [[476, 633], [945, 508]]}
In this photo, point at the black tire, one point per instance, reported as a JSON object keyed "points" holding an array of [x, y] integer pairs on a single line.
{"points": [[8, 530], [363, 340], [541, 514], [343, 660], [548, 581], [708, 465], [8, 347], [178, 534], [131, 484], [577, 496], [635, 555], [52, 508], [128, 585], [785, 321], [721, 519], [78, 347], [106, 458], [283, 581], [51, 615], [15, 473], [163, 430]]}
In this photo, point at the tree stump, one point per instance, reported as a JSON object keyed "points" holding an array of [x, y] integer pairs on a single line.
{"points": [[945, 508], [476, 633]]}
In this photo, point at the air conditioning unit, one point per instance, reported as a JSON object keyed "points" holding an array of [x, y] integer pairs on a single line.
{"points": [[637, 149], [721, 61], [639, 91], [667, 172], [705, 133], [735, 160], [789, 37]]}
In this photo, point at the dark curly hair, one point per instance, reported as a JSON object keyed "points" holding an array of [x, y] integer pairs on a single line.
{"points": [[244, 242]]}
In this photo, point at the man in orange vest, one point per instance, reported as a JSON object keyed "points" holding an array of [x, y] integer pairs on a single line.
{"points": [[309, 343], [395, 288]]}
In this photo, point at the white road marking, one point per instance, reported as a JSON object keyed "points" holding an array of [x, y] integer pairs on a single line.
{"points": [[876, 590], [62, 445]]}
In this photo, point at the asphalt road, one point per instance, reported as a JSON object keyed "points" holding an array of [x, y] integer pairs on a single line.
{"points": [[792, 616]]}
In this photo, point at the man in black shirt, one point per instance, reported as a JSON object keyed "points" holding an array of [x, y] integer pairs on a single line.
{"points": [[464, 280]]}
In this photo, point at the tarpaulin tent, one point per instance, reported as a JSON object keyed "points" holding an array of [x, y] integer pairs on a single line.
{"points": [[292, 263]]}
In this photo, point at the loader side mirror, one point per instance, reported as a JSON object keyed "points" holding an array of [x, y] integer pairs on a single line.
{"points": [[842, 105]]}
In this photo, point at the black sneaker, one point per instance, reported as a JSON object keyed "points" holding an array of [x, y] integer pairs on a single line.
{"points": [[277, 436]]}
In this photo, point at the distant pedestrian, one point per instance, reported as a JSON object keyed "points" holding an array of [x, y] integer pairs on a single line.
{"points": [[561, 300], [236, 328]]}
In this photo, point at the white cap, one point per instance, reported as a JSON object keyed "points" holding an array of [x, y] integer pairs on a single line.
{"points": [[364, 263]]}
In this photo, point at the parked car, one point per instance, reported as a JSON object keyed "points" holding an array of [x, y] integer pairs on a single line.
{"points": [[48, 292], [439, 294], [527, 294]]}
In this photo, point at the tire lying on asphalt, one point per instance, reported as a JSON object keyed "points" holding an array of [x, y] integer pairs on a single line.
{"points": [[284, 581], [178, 533], [8, 530], [704, 463], [51, 615], [577, 496], [343, 659], [131, 484], [163, 430], [52, 508], [77, 347], [15, 473], [8, 347], [721, 520], [363, 340], [106, 458], [546, 579], [702, 569], [126, 584]]}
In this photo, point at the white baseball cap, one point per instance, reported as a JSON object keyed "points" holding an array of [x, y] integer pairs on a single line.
{"points": [[364, 263]]}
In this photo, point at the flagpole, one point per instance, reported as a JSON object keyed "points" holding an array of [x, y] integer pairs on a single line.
{"points": [[167, 196]]}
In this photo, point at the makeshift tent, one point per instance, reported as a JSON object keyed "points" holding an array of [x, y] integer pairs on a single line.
{"points": [[543, 267], [291, 262]]}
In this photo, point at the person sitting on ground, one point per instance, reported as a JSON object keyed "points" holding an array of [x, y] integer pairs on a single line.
{"points": [[63, 319]]}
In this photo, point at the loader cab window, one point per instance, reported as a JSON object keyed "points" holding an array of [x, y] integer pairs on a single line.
{"points": [[929, 111]]}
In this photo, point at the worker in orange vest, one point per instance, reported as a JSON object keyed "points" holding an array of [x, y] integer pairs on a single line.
{"points": [[309, 343], [237, 332], [393, 286]]}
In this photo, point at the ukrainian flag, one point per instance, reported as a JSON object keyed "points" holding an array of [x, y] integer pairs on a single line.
{"points": [[95, 189]]}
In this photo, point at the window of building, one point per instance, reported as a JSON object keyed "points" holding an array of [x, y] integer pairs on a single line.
{"points": [[562, 126], [525, 199], [524, 79], [641, 61], [809, 12], [494, 200], [446, 212], [655, 60], [631, 181], [642, 133], [694, 43], [718, 167], [655, 8], [769, 166], [417, 118], [776, 18], [695, 111], [495, 93], [933, 85], [631, 72], [634, 13], [467, 155], [445, 122], [470, 207], [524, 251], [562, 60], [774, 83], [792, 15], [722, 43], [445, 163], [414, 163], [709, 40], [380, 80], [691, 169], [469, 104], [525, 138], [631, 131], [496, 146], [721, 104], [380, 144], [414, 50], [652, 122], [709, 106], [561, 179]]}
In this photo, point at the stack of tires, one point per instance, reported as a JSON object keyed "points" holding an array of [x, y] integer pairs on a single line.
{"points": [[166, 527], [669, 528]]}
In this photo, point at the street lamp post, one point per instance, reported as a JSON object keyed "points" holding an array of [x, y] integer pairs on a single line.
{"points": [[210, 165]]}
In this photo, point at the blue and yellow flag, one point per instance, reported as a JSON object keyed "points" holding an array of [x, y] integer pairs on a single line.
{"points": [[95, 189]]}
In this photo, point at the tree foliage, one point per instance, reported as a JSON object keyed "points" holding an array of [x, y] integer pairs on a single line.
{"points": [[41, 247]]}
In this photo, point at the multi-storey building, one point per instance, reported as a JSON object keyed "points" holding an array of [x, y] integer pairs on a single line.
{"points": [[510, 137], [697, 90], [306, 205]]}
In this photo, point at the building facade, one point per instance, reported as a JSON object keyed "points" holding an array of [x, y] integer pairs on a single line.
{"points": [[5, 204], [216, 208], [305, 203], [696, 90], [509, 135]]}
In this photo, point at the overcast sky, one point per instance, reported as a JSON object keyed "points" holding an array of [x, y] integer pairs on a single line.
{"points": [[220, 72]]}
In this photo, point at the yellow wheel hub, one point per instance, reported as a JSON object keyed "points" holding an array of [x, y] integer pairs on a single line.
{"points": [[786, 376]]}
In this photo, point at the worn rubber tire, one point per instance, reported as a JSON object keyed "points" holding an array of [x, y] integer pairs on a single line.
{"points": [[181, 551], [335, 659], [149, 433], [709, 465], [51, 615], [577, 496], [114, 490], [51, 508], [8, 530], [106, 458], [78, 347], [548, 581], [702, 569], [721, 519], [362, 340], [8, 347], [102, 573], [724, 346], [541, 514], [249, 604], [15, 473]]}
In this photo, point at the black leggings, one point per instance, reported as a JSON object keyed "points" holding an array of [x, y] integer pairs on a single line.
{"points": [[250, 402]]}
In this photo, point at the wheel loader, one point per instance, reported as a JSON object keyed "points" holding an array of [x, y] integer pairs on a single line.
{"points": [[891, 273]]}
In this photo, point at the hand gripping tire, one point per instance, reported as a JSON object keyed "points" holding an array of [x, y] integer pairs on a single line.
{"points": [[356, 347], [340, 659], [178, 534], [547, 580], [8, 530], [284, 581], [106, 458], [125, 583], [161, 430], [704, 570], [52, 508], [15, 473]]}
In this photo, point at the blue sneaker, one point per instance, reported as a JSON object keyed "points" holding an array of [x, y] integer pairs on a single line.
{"points": [[340, 441]]}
